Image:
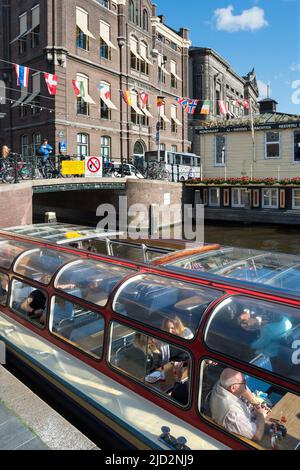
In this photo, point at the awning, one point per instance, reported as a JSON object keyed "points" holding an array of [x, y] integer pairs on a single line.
{"points": [[22, 27], [82, 22], [173, 70], [31, 97], [86, 97], [143, 51], [35, 16], [146, 112], [106, 99], [20, 100], [160, 62], [134, 104], [133, 48], [174, 116], [105, 34], [162, 114]]}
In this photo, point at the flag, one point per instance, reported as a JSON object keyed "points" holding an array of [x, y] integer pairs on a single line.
{"points": [[104, 91], [182, 102], [246, 104], [127, 97], [191, 107], [222, 107], [205, 108], [160, 101], [79, 88], [143, 99], [22, 75], [51, 81]]}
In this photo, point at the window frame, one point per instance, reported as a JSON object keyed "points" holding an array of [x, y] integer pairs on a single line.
{"points": [[294, 133], [269, 206], [240, 192], [278, 157], [224, 149], [33, 287], [81, 144]]}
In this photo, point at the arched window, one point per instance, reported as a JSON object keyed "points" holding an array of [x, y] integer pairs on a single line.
{"points": [[82, 145], [131, 11], [138, 12], [37, 140], [106, 148], [138, 148], [145, 20]]}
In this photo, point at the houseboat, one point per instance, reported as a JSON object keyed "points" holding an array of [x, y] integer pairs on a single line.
{"points": [[149, 349]]}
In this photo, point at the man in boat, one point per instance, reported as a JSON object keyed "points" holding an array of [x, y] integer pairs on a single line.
{"points": [[35, 306], [229, 408]]}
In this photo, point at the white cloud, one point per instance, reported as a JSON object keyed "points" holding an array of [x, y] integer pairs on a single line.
{"points": [[249, 20], [263, 89]]}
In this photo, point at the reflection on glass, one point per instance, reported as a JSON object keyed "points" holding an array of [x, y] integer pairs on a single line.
{"points": [[9, 250], [4, 283]]}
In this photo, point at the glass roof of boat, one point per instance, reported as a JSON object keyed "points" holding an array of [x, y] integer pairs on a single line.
{"points": [[60, 233], [279, 270]]}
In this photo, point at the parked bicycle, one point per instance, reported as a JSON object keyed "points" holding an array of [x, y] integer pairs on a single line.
{"points": [[14, 168], [156, 171]]}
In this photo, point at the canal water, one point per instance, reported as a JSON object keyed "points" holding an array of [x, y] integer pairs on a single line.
{"points": [[281, 238]]}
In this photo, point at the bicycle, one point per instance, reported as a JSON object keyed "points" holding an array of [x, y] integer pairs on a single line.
{"points": [[15, 168], [48, 170]]}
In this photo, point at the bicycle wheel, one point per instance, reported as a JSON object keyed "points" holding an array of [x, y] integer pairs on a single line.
{"points": [[8, 176], [25, 172]]}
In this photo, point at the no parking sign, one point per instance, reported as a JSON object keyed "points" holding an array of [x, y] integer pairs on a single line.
{"points": [[93, 166]]}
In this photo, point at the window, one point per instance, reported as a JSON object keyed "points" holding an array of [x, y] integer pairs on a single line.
{"points": [[80, 326], [131, 11], [174, 148], [82, 145], [22, 108], [162, 72], [29, 302], [24, 146], [106, 148], [270, 198], [4, 284], [238, 197], [34, 98], [82, 32], [136, 113], [220, 150], [297, 146], [22, 33], [150, 361], [145, 20], [158, 302], [174, 121], [105, 43], [37, 140], [214, 197], [104, 3], [173, 46], [145, 62], [134, 56], [35, 26], [272, 145], [84, 100], [40, 264], [90, 280], [219, 386], [138, 12], [104, 108], [2, 92], [258, 332], [174, 77], [10, 250], [296, 199]]}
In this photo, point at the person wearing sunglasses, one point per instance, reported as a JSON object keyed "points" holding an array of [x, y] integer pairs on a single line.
{"points": [[229, 406]]}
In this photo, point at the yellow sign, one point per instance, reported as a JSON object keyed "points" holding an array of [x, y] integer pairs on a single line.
{"points": [[72, 168], [72, 235]]}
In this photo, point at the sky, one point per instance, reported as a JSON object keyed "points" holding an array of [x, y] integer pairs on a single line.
{"points": [[264, 34]]}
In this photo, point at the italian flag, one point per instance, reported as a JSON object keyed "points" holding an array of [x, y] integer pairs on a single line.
{"points": [[205, 108], [79, 88]]}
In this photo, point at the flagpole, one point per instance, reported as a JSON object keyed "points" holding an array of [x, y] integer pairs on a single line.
{"points": [[159, 107], [252, 131]]}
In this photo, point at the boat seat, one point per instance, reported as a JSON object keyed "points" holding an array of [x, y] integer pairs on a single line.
{"points": [[285, 350]]}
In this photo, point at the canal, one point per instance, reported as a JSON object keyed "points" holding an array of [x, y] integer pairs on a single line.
{"points": [[265, 237]]}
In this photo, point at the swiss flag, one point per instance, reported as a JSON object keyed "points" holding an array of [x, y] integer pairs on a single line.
{"points": [[51, 81]]}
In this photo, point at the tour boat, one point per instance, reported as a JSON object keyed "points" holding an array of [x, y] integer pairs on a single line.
{"points": [[140, 344]]}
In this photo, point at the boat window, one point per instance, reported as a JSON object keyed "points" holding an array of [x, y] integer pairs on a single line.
{"points": [[9, 250], [78, 325], [40, 264], [29, 302], [252, 409], [127, 251], [90, 280], [267, 334], [170, 305], [4, 284], [151, 362]]}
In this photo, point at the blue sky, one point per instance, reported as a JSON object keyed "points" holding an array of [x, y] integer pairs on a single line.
{"points": [[264, 34]]}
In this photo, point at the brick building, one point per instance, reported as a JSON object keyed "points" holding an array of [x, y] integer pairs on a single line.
{"points": [[117, 44]]}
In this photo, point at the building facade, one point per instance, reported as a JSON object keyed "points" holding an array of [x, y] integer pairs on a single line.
{"points": [[268, 148], [212, 78], [108, 47]]}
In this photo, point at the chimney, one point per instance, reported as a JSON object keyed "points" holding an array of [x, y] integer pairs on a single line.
{"points": [[184, 33], [154, 7]]}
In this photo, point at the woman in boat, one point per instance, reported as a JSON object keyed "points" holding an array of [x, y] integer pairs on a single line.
{"points": [[140, 358], [35, 306], [175, 327]]}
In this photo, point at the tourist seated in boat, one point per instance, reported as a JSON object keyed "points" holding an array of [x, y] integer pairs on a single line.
{"points": [[93, 292], [180, 390], [176, 327], [3, 288], [35, 305], [233, 406], [63, 310], [140, 358]]}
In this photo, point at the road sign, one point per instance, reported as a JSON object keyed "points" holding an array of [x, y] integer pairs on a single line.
{"points": [[93, 166], [63, 146]]}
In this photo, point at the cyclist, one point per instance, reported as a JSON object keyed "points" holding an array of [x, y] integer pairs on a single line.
{"points": [[44, 151]]}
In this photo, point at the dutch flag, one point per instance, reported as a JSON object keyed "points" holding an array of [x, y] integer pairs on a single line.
{"points": [[22, 73]]}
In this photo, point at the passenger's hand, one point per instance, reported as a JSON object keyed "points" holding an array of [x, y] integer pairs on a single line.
{"points": [[178, 370], [259, 410]]}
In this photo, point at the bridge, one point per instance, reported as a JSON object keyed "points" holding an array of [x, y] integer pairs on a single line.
{"points": [[76, 200]]}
